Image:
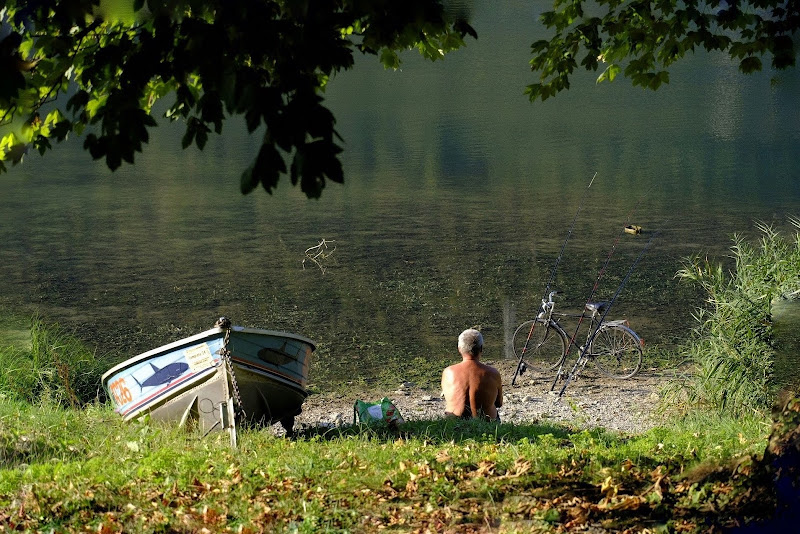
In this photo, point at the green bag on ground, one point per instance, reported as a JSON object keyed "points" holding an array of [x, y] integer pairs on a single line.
{"points": [[383, 411]]}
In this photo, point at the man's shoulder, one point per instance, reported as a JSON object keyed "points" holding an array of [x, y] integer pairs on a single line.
{"points": [[450, 370], [494, 373], [489, 368]]}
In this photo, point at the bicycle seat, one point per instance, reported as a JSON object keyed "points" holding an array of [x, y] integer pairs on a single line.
{"points": [[597, 307]]}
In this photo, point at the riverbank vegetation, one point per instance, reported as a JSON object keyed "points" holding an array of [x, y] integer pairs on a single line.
{"points": [[732, 350], [69, 464], [44, 363]]}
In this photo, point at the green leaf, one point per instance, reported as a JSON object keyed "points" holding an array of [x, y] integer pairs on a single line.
{"points": [[11, 83], [610, 73], [201, 137], [95, 146], [191, 130], [113, 156], [6, 141], [750, 64], [60, 130], [94, 105], [390, 59], [533, 91], [26, 46], [78, 101], [211, 110], [266, 170]]}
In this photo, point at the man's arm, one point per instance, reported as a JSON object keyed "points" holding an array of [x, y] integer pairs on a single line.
{"points": [[447, 381]]}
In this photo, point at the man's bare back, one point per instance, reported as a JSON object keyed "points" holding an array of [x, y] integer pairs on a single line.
{"points": [[471, 388]]}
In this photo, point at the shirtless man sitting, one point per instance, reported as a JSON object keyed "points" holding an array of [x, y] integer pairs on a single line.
{"points": [[471, 388]]}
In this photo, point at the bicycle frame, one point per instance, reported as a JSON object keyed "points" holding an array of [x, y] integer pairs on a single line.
{"points": [[616, 339], [545, 315], [596, 326], [544, 319]]}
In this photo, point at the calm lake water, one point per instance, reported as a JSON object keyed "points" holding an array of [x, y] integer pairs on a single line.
{"points": [[458, 196]]}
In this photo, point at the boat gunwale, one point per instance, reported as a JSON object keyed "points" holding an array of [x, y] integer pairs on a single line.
{"points": [[272, 374], [211, 333]]}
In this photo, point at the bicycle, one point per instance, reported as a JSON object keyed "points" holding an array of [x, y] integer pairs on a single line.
{"points": [[613, 346]]}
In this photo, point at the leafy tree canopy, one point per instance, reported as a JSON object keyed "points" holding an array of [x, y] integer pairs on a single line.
{"points": [[642, 38], [100, 66], [97, 67]]}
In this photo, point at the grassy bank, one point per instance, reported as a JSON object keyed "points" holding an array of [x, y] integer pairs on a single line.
{"points": [[75, 470], [68, 466]]}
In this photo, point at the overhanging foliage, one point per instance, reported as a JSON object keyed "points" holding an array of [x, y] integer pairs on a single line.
{"points": [[642, 38], [100, 65], [69, 65]]}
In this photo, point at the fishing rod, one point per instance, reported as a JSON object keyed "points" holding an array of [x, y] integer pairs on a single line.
{"points": [[521, 363], [569, 234], [582, 358], [594, 288], [583, 314]]}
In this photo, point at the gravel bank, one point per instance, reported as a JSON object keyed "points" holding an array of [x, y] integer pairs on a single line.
{"points": [[590, 401]]}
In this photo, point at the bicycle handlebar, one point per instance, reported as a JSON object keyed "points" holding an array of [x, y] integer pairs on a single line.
{"points": [[549, 298], [548, 304]]}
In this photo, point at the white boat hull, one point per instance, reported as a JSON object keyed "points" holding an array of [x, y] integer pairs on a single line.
{"points": [[190, 381]]}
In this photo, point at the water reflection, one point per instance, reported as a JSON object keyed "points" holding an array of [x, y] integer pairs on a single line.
{"points": [[458, 196]]}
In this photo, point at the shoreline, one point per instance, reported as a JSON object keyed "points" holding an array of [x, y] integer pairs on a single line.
{"points": [[591, 401]]}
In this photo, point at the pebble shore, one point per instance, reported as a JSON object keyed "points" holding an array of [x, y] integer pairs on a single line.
{"points": [[591, 401]]}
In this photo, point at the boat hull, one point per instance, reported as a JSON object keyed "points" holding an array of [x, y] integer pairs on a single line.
{"points": [[189, 381]]}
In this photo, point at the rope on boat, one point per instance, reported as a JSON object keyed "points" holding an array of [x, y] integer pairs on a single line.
{"points": [[225, 324]]}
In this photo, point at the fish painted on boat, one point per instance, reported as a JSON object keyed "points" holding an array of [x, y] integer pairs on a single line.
{"points": [[163, 375]]}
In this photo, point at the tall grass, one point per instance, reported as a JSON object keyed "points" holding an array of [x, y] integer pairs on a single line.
{"points": [[55, 367], [732, 347]]}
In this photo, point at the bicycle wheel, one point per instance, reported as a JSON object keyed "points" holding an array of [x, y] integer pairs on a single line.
{"points": [[616, 351], [545, 348]]}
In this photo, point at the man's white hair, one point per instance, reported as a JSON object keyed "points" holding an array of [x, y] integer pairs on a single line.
{"points": [[470, 341]]}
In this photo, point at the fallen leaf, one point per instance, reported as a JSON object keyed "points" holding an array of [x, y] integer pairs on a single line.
{"points": [[520, 467]]}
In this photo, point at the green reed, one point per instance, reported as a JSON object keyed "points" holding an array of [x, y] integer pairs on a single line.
{"points": [[732, 348], [53, 367]]}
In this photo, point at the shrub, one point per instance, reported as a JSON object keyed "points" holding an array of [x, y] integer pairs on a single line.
{"points": [[732, 348]]}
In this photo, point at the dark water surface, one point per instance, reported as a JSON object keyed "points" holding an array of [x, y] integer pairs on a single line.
{"points": [[458, 196]]}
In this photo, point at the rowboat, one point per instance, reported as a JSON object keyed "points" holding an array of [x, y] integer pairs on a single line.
{"points": [[214, 380]]}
